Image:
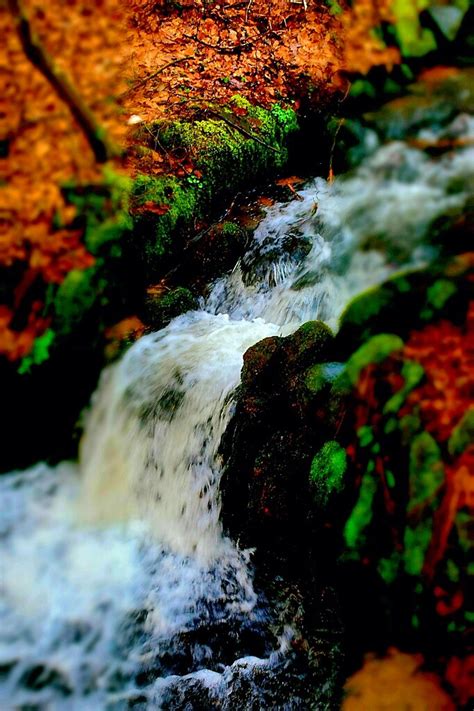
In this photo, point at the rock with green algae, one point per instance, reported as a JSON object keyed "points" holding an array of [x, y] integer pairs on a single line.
{"points": [[426, 471], [374, 351], [327, 472], [376, 486], [227, 152], [271, 439], [163, 211], [232, 145], [403, 526], [405, 301], [211, 253], [162, 309], [308, 344]]}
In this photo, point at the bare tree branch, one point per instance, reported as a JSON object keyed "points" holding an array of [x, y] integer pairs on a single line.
{"points": [[102, 146]]}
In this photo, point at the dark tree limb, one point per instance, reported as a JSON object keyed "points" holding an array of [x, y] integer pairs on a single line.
{"points": [[100, 143]]}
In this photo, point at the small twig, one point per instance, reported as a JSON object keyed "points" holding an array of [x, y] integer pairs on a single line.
{"points": [[247, 11], [234, 4], [230, 49], [243, 130], [333, 148], [146, 79]]}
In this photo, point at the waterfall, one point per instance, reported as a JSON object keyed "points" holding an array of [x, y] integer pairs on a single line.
{"points": [[118, 586], [150, 448]]}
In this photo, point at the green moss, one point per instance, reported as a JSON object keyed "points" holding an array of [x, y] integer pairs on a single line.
{"points": [[463, 434], [463, 524], [409, 425], [230, 230], [327, 471], [39, 353], [426, 470], [322, 374], [391, 425], [75, 298], [310, 340], [228, 149], [412, 373], [103, 209], [416, 542], [390, 478], [365, 306], [365, 435], [175, 302], [414, 40], [362, 513], [375, 350], [452, 571], [439, 293], [162, 206], [402, 284], [388, 568]]}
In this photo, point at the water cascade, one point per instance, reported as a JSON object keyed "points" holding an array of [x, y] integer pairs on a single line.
{"points": [[118, 586]]}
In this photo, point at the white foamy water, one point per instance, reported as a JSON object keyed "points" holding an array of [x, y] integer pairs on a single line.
{"points": [[117, 586]]}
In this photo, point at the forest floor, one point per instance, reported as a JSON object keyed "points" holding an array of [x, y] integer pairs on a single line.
{"points": [[135, 63]]}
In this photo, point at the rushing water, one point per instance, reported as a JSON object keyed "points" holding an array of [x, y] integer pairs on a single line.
{"points": [[118, 588]]}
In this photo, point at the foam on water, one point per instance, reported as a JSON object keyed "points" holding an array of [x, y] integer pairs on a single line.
{"points": [[118, 587]]}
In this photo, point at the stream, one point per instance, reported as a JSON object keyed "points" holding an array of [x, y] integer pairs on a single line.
{"points": [[118, 586]]}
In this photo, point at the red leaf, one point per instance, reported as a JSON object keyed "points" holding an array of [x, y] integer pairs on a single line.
{"points": [[151, 206]]}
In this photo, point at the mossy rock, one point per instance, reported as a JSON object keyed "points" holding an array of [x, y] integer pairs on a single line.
{"points": [[374, 351], [232, 146], [309, 344], [407, 300], [259, 359], [213, 252], [163, 210], [162, 309], [327, 472]]}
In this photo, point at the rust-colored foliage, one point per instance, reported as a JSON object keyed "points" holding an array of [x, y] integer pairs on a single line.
{"points": [[446, 353], [363, 48], [413, 454], [38, 238], [395, 682]]}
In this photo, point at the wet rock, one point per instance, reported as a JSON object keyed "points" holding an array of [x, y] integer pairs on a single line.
{"points": [[40, 677], [405, 301], [265, 486], [162, 308], [214, 252]]}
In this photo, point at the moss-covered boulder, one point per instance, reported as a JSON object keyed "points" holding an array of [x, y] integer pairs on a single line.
{"points": [[161, 309], [230, 146], [269, 444], [408, 300]]}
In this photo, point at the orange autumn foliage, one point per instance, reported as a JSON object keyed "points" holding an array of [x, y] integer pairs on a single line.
{"points": [[393, 683], [362, 47]]}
